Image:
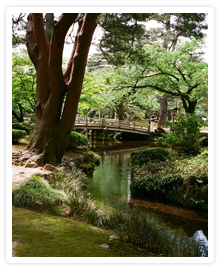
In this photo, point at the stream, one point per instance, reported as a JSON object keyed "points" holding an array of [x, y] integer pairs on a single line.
{"points": [[110, 188]]}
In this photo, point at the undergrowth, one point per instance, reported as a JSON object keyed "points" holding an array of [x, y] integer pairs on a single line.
{"points": [[35, 193], [133, 227]]}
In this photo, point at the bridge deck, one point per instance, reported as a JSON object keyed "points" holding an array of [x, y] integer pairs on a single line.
{"points": [[111, 124]]}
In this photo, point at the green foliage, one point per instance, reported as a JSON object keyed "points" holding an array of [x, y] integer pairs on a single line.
{"points": [[77, 139], [144, 156], [23, 83], [17, 135], [90, 99], [83, 208], [67, 180], [35, 193], [164, 179], [146, 231], [185, 134]]}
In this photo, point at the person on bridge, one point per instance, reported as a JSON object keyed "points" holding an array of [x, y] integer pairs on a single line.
{"points": [[152, 119]]}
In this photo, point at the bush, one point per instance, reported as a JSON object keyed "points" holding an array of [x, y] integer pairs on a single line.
{"points": [[35, 193], [17, 135], [169, 179], [21, 126], [144, 156], [185, 134], [77, 139]]}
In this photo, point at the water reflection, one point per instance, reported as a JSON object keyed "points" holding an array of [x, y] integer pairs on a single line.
{"points": [[110, 188], [110, 183]]}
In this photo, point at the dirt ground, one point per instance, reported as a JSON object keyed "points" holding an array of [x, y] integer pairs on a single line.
{"points": [[19, 173]]}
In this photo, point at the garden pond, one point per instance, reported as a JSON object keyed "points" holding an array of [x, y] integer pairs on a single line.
{"points": [[110, 188]]}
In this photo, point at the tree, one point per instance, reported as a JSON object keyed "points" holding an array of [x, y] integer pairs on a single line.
{"points": [[179, 73], [57, 93], [173, 27], [90, 100], [23, 85]]}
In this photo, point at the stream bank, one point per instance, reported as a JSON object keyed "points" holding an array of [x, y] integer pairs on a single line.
{"points": [[110, 188]]}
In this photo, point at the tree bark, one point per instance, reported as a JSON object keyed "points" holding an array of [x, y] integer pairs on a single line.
{"points": [[163, 112], [55, 115], [190, 107]]}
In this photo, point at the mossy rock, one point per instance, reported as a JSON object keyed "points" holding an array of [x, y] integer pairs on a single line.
{"points": [[77, 139]]}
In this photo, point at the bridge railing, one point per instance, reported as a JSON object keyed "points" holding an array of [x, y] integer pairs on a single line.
{"points": [[110, 123]]}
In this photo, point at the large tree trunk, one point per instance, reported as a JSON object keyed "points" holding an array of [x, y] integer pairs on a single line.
{"points": [[54, 117], [163, 112], [190, 107]]}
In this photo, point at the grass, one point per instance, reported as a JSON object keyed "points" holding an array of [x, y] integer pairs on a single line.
{"points": [[49, 236], [35, 193], [147, 232], [43, 235]]}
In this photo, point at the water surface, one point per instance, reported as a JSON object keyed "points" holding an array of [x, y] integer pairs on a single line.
{"points": [[110, 188]]}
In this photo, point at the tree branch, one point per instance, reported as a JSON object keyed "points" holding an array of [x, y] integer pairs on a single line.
{"points": [[78, 67], [155, 87], [191, 88], [40, 34], [31, 43], [67, 72], [60, 29]]}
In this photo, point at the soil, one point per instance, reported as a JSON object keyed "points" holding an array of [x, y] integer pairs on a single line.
{"points": [[19, 173]]}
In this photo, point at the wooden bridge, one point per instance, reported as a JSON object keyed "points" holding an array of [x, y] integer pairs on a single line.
{"points": [[111, 124]]}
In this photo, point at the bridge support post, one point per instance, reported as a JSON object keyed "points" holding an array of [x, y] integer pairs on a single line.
{"points": [[92, 136], [103, 135]]}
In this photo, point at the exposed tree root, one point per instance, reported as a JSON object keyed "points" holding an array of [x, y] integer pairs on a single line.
{"points": [[28, 158]]}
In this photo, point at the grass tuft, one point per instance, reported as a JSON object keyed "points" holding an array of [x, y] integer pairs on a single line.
{"points": [[35, 193]]}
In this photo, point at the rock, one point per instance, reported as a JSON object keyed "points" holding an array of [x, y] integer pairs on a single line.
{"points": [[104, 246], [30, 165], [78, 159], [49, 167], [40, 174], [65, 161], [202, 241], [114, 237], [72, 165]]}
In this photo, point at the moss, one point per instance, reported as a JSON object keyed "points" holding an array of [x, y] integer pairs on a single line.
{"points": [[77, 139], [43, 235]]}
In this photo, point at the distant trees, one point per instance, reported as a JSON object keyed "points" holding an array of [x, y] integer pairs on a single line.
{"points": [[23, 86], [125, 43], [179, 73]]}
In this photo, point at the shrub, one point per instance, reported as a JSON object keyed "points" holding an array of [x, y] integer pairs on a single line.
{"points": [[185, 134], [21, 126], [17, 135], [77, 139], [169, 179], [35, 192], [144, 156]]}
